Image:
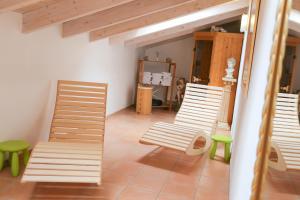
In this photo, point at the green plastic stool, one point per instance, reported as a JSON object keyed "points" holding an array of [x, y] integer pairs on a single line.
{"points": [[223, 139], [13, 147]]}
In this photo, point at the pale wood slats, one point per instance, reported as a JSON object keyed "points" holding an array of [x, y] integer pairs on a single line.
{"points": [[117, 15], [286, 132], [286, 138], [55, 11], [10, 5], [208, 95], [75, 148], [63, 167], [59, 163], [60, 179], [75, 101], [197, 117], [153, 18]]}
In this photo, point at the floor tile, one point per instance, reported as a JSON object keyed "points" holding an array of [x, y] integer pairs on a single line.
{"points": [[213, 184], [132, 192], [184, 190], [151, 183], [204, 193], [132, 170]]}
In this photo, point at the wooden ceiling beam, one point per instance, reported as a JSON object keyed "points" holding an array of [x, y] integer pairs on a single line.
{"points": [[153, 18], [10, 5], [117, 15], [53, 11], [224, 15]]}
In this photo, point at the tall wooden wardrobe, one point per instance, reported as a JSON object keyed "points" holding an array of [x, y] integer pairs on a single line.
{"points": [[212, 49]]}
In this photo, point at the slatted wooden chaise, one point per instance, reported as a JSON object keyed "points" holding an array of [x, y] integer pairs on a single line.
{"points": [[74, 151], [286, 134], [196, 119]]}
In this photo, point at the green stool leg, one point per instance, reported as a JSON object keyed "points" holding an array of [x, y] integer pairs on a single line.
{"points": [[26, 156], [2, 155], [9, 158], [15, 164], [227, 152], [213, 149]]}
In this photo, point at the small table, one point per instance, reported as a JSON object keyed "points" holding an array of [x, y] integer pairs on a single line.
{"points": [[144, 100], [226, 139], [13, 147]]}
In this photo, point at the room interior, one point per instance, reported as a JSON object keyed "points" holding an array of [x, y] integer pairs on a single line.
{"points": [[283, 176], [138, 99]]}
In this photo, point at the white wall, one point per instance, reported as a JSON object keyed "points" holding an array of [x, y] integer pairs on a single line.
{"points": [[30, 65], [248, 110], [181, 52]]}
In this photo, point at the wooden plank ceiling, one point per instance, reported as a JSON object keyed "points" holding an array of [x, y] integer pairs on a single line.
{"points": [[9, 5], [146, 20], [103, 18]]}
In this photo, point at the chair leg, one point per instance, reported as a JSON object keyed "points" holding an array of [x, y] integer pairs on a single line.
{"points": [[9, 158], [2, 155], [227, 152], [15, 164], [213, 150], [26, 156]]}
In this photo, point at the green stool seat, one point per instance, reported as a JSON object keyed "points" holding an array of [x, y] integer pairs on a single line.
{"points": [[13, 147], [226, 139]]}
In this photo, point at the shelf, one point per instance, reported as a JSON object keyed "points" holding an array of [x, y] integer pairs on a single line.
{"points": [[162, 106], [171, 69], [149, 85], [154, 61]]}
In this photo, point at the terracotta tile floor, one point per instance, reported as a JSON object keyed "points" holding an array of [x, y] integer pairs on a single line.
{"points": [[134, 171], [282, 185]]}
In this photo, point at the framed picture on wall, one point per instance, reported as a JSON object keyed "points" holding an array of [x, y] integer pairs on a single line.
{"points": [[252, 19]]}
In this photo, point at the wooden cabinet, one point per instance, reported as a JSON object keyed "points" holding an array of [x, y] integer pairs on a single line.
{"points": [[287, 81], [212, 49]]}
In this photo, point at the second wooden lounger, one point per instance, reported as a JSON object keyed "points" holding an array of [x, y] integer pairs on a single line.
{"points": [[286, 134], [196, 119], [74, 151]]}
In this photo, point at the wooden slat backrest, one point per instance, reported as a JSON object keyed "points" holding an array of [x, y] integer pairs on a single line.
{"points": [[286, 122], [200, 107], [79, 114]]}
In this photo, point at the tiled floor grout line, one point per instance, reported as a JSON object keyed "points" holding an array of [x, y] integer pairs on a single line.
{"points": [[200, 176], [120, 192], [168, 168], [128, 183], [168, 176]]}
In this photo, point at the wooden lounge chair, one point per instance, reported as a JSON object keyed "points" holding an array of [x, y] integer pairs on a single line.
{"points": [[196, 119], [74, 151], [286, 134]]}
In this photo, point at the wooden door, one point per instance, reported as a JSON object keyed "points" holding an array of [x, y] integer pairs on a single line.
{"points": [[202, 61], [287, 69]]}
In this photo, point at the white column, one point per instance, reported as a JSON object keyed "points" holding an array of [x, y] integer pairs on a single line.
{"points": [[223, 116]]}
